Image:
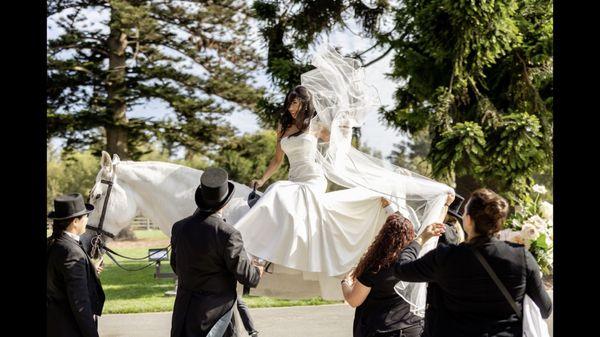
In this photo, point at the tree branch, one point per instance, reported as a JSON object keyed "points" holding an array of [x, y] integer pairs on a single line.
{"points": [[379, 57]]}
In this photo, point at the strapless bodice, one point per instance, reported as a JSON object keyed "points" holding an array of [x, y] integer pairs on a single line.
{"points": [[301, 152]]}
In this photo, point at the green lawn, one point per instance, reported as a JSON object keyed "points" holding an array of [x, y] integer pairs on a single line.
{"points": [[139, 291]]}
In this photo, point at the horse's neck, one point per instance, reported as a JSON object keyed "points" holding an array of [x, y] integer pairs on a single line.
{"points": [[164, 192]]}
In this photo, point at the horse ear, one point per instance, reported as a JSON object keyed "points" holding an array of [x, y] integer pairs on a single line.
{"points": [[105, 161], [116, 159]]}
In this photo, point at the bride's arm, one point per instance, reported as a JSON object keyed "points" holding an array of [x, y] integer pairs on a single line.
{"points": [[324, 134], [273, 165]]}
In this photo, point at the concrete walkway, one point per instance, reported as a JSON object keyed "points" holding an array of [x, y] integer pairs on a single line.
{"points": [[323, 320]]}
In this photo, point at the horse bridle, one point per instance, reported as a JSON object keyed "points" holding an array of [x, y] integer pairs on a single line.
{"points": [[97, 240]]}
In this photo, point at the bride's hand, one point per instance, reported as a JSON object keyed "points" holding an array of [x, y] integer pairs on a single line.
{"points": [[351, 273], [450, 199], [384, 202], [258, 182]]}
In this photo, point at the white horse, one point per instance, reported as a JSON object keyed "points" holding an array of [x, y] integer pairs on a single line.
{"points": [[164, 193]]}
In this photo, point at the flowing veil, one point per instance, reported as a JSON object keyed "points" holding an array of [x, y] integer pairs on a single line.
{"points": [[343, 100]]}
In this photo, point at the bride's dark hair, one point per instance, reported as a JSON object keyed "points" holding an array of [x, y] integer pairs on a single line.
{"points": [[395, 234], [305, 114]]}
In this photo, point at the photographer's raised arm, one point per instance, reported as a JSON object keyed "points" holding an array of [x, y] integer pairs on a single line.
{"points": [[449, 200]]}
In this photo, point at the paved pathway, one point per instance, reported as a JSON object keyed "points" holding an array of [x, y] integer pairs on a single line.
{"points": [[324, 320]]}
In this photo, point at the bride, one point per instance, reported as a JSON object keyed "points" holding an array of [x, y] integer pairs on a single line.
{"points": [[296, 223]]}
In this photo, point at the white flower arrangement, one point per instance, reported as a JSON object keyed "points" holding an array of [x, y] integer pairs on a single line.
{"points": [[531, 225], [547, 210], [540, 189]]}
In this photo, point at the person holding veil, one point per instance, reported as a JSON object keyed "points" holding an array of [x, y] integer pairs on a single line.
{"points": [[298, 224], [485, 286], [370, 287]]}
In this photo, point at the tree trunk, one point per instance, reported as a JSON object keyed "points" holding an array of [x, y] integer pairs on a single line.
{"points": [[465, 185], [116, 129], [189, 154]]}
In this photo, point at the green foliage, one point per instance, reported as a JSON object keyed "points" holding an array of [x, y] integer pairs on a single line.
{"points": [[514, 153], [76, 174], [478, 79], [412, 153], [463, 144], [194, 56], [246, 157]]}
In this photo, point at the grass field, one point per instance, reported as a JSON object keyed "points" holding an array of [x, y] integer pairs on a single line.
{"points": [[139, 291]]}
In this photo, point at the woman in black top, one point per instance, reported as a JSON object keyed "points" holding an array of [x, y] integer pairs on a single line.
{"points": [[380, 311], [470, 303]]}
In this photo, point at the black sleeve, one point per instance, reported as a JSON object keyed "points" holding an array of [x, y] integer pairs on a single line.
{"points": [[236, 260], [76, 279], [367, 278], [409, 268], [172, 258], [535, 287]]}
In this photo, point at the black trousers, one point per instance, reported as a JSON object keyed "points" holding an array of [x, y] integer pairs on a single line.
{"points": [[411, 331], [245, 315]]}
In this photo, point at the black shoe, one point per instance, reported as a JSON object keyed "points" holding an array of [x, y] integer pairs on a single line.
{"points": [[253, 334]]}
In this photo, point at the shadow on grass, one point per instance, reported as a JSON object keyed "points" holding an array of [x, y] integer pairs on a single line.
{"points": [[121, 284], [139, 291]]}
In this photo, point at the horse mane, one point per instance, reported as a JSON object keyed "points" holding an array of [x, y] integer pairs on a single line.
{"points": [[166, 168], [162, 164]]}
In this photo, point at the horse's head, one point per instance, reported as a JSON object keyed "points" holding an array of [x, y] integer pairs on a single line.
{"points": [[121, 207]]}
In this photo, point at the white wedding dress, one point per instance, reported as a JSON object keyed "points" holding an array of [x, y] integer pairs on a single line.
{"points": [[298, 225]]}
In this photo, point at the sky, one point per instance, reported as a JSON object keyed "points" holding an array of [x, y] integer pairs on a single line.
{"points": [[374, 133]]}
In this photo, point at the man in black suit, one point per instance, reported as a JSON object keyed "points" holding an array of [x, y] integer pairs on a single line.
{"points": [[209, 259], [74, 294]]}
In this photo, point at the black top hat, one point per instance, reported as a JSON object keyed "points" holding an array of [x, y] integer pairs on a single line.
{"points": [[214, 191], [69, 206], [454, 208]]}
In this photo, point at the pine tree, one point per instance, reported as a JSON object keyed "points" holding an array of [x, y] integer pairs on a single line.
{"points": [[196, 56]]}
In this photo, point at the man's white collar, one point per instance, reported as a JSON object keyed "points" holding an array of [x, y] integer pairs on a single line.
{"points": [[74, 236]]}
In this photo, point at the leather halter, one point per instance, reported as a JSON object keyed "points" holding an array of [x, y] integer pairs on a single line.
{"points": [[97, 241]]}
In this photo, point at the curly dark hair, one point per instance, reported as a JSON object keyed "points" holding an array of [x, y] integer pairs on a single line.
{"points": [[395, 234], [306, 113]]}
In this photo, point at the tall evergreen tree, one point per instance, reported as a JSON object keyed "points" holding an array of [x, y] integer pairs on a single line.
{"points": [[479, 81], [196, 56]]}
